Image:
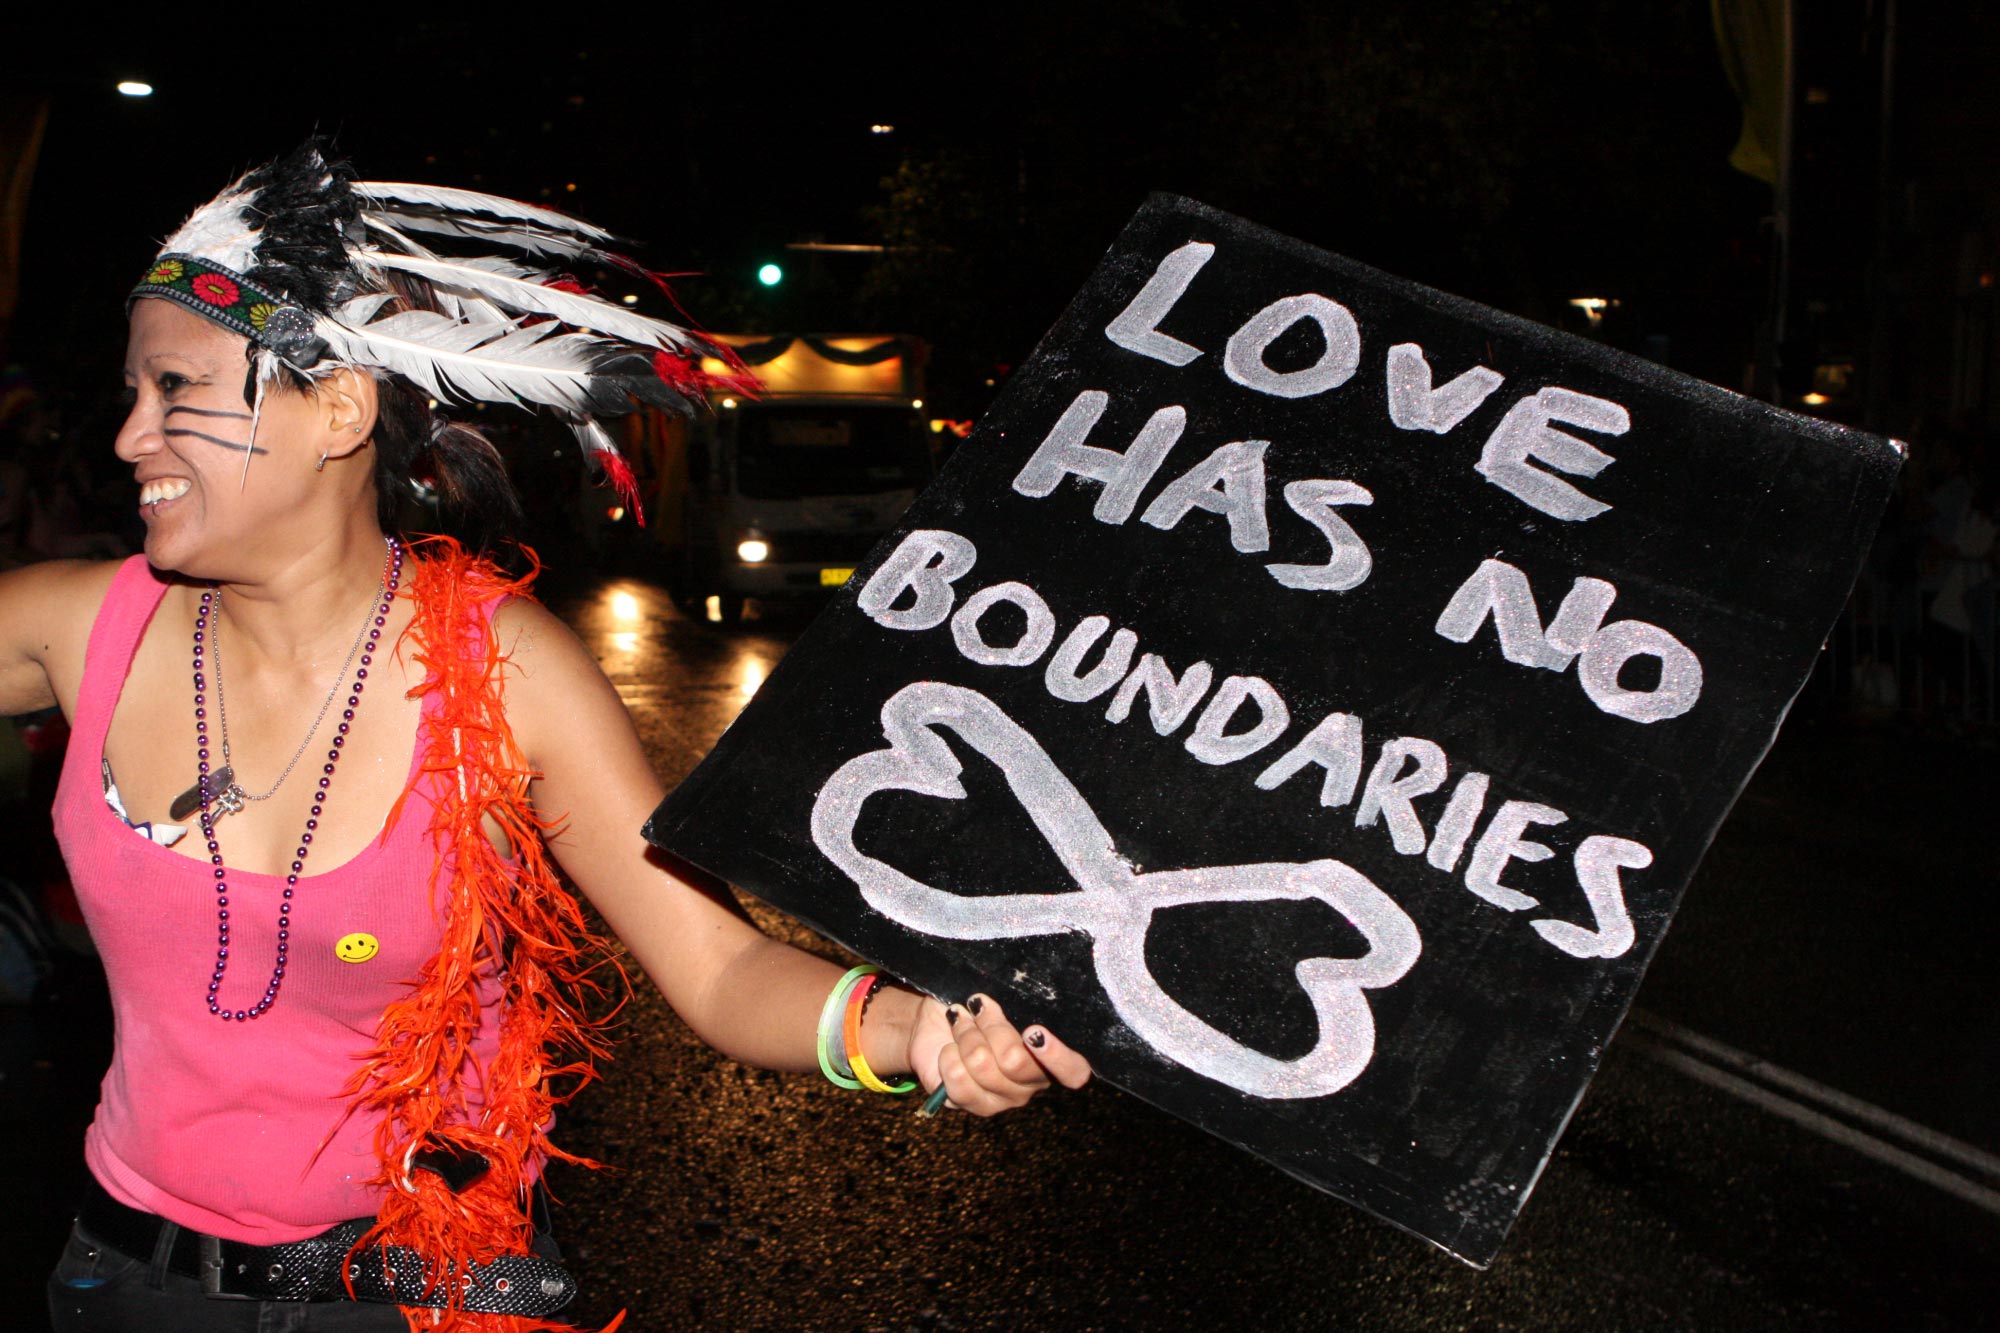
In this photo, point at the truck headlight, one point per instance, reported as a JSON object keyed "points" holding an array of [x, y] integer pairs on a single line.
{"points": [[753, 551]]}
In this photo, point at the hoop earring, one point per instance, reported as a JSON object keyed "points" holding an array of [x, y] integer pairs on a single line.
{"points": [[321, 465]]}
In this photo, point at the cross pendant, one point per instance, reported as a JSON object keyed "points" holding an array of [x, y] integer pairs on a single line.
{"points": [[228, 801]]}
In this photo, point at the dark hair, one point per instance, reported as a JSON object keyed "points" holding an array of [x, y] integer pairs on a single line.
{"points": [[421, 455]]}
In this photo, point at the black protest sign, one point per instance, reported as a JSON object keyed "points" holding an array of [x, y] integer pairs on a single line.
{"points": [[1309, 694]]}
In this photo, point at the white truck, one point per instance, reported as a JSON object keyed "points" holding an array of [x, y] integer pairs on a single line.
{"points": [[780, 495]]}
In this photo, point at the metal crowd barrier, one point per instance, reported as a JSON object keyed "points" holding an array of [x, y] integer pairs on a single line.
{"points": [[1890, 655]]}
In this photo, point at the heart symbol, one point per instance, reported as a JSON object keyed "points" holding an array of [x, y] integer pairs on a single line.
{"points": [[1113, 904]]}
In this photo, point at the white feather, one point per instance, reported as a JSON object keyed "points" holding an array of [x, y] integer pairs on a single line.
{"points": [[594, 438], [585, 312], [531, 240], [218, 233], [365, 260], [364, 308], [382, 226], [467, 362], [267, 369], [512, 268], [390, 194]]}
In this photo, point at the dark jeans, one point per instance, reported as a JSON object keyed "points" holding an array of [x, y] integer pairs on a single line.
{"points": [[98, 1288]]}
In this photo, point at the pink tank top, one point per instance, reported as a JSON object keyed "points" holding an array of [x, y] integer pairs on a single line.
{"points": [[217, 1125]]}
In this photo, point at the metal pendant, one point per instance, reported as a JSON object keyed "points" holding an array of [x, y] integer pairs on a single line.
{"points": [[224, 797]]}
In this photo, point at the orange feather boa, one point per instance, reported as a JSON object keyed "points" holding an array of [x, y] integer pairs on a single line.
{"points": [[503, 916]]}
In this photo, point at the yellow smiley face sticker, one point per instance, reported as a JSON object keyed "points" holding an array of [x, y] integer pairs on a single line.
{"points": [[356, 948]]}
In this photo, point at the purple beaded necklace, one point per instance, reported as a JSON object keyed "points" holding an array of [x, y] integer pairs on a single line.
{"points": [[392, 577]]}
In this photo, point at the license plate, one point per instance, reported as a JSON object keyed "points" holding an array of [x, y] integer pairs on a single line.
{"points": [[833, 578]]}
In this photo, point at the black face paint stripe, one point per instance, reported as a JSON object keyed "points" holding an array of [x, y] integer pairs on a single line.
{"points": [[227, 444], [209, 412]]}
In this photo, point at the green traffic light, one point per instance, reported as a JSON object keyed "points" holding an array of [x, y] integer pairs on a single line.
{"points": [[770, 275]]}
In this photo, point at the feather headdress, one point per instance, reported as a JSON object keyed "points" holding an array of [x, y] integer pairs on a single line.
{"points": [[320, 270]]}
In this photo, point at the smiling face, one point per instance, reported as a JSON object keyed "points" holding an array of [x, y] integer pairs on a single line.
{"points": [[188, 437], [358, 947]]}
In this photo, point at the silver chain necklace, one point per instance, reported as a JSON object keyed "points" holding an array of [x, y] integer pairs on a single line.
{"points": [[232, 797]]}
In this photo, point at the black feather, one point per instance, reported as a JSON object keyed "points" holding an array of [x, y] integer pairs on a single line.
{"points": [[305, 207]]}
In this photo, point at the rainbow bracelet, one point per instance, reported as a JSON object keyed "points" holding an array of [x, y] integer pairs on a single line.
{"points": [[829, 1014], [851, 1039]]}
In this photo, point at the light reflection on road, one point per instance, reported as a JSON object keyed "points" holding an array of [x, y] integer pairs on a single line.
{"points": [[682, 680], [1094, 1211]]}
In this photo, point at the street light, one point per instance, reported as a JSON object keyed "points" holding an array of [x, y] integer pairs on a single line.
{"points": [[134, 88], [1593, 308]]}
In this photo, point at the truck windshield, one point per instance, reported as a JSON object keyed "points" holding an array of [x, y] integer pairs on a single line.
{"points": [[788, 452]]}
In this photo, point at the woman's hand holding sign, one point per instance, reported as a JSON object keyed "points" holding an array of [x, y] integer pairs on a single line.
{"points": [[984, 1064]]}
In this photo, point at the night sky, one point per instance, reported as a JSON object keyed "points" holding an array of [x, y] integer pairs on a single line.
{"points": [[1519, 153]]}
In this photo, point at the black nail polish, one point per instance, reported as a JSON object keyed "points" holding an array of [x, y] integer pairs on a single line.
{"points": [[951, 1015], [974, 1005], [1037, 1040]]}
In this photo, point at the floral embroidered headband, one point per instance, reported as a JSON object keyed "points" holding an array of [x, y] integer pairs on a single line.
{"points": [[265, 317]]}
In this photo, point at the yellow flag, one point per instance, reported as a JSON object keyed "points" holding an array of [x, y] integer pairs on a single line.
{"points": [[1752, 36]]}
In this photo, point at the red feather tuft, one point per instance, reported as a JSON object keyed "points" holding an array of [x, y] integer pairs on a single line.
{"points": [[619, 474], [682, 372], [638, 270]]}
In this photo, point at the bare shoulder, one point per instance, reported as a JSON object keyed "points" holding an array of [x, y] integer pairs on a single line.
{"points": [[46, 611], [536, 643], [557, 697], [70, 588]]}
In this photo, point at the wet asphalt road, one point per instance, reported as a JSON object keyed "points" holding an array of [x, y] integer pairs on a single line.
{"points": [[748, 1200], [1841, 927]]}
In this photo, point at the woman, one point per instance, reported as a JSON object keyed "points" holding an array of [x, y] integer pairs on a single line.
{"points": [[348, 990]]}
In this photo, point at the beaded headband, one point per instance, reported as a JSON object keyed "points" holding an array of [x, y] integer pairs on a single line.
{"points": [[265, 317]]}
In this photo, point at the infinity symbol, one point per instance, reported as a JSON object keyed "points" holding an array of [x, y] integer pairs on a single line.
{"points": [[1114, 903]]}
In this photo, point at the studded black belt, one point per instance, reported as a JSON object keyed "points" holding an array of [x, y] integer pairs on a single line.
{"points": [[312, 1269]]}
